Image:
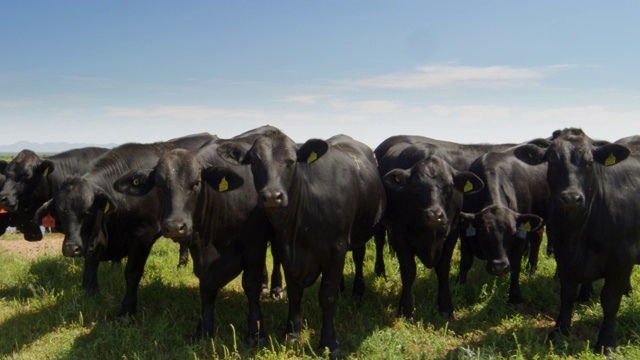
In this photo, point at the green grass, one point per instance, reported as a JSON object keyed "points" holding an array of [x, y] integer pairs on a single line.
{"points": [[44, 314]]}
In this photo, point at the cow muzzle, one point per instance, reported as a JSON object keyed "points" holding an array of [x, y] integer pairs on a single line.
{"points": [[175, 229], [8, 204], [571, 200], [436, 218], [273, 198], [72, 249], [498, 267]]}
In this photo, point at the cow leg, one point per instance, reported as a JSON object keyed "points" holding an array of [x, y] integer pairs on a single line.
{"points": [[294, 297], [251, 283], [379, 237], [535, 240], [408, 276], [586, 292], [443, 268], [568, 292], [208, 295], [610, 297], [327, 296], [183, 260], [466, 259], [90, 274], [358, 281], [276, 275], [216, 275], [515, 294], [133, 273]]}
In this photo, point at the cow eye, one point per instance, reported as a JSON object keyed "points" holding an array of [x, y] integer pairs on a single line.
{"points": [[289, 163], [195, 184]]}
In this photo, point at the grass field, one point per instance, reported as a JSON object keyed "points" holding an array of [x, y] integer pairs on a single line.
{"points": [[44, 314]]}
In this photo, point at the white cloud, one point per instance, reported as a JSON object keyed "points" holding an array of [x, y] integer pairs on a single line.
{"points": [[434, 76], [184, 112], [304, 99]]}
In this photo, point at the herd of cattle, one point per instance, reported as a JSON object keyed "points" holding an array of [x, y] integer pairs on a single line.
{"points": [[225, 200]]}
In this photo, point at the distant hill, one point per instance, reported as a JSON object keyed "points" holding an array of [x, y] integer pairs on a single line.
{"points": [[51, 147]]}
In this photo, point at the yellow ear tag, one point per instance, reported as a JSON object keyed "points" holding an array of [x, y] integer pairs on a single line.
{"points": [[611, 160], [312, 157], [527, 226], [224, 185], [136, 182], [106, 207], [468, 186], [46, 172]]}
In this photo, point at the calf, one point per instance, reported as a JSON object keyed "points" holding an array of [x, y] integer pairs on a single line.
{"points": [[593, 220], [424, 200], [459, 156], [505, 217], [323, 198]]}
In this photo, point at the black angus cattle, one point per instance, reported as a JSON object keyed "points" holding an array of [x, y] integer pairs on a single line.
{"points": [[459, 156], [226, 232], [5, 217], [102, 224], [505, 218], [32, 180], [593, 219], [323, 198], [424, 199]]}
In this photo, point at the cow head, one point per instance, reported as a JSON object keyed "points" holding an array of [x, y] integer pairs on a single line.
{"points": [[274, 158], [575, 164], [178, 176], [497, 230], [24, 174], [82, 208], [431, 197]]}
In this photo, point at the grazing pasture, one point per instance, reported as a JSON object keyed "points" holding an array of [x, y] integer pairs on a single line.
{"points": [[44, 313]]}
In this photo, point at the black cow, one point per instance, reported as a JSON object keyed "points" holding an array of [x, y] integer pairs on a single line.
{"points": [[459, 156], [593, 219], [424, 200], [226, 233], [323, 198], [102, 224], [504, 219], [32, 180]]}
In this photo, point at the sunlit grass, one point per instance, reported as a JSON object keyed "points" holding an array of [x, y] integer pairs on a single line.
{"points": [[44, 313]]}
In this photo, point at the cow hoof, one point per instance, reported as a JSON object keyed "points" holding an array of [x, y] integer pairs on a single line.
{"points": [[447, 315], [256, 341], [292, 338], [277, 293], [335, 354]]}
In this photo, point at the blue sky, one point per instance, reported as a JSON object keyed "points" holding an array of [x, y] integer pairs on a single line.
{"points": [[465, 71]]}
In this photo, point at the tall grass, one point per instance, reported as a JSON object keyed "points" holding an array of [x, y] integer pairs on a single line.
{"points": [[44, 314]]}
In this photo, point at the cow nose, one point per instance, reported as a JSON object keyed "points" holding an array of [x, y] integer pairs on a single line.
{"points": [[499, 267], [436, 216], [174, 229], [571, 199], [72, 250], [273, 198]]}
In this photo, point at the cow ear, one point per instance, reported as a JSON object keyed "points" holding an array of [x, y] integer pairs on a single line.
{"points": [[467, 182], [312, 150], [43, 210], [611, 154], [135, 182], [234, 152], [528, 222], [45, 168], [396, 179], [104, 203], [222, 179], [530, 154]]}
